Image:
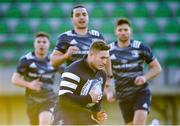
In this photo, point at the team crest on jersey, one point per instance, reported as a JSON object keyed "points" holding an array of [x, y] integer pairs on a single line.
{"points": [[124, 61], [135, 54], [113, 57], [41, 71], [33, 65], [73, 42], [50, 67]]}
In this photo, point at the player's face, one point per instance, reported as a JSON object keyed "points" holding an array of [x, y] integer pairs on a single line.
{"points": [[123, 32], [80, 18], [41, 45], [99, 59]]}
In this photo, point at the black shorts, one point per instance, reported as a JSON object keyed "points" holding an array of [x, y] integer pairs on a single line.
{"points": [[78, 117], [34, 108], [140, 101]]}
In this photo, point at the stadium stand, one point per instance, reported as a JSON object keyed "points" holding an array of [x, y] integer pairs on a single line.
{"points": [[119, 11], [35, 12], [55, 12], [172, 26], [22, 27], [4, 29], [140, 11], [150, 26], [98, 12], [162, 10], [28, 16]]}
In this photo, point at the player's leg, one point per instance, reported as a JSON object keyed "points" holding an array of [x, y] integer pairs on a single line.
{"points": [[45, 118], [140, 117], [127, 111], [32, 112], [142, 107], [46, 113]]}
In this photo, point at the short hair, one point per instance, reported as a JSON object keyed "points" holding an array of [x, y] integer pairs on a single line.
{"points": [[99, 45], [121, 21], [77, 6], [42, 34]]}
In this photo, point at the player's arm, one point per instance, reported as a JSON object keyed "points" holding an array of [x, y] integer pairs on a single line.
{"points": [[19, 80], [97, 114], [109, 85], [81, 100], [68, 86], [99, 117], [153, 64], [154, 70], [63, 51], [18, 76], [58, 57]]}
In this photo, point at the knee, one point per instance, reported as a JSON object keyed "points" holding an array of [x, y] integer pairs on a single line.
{"points": [[140, 117], [45, 118]]}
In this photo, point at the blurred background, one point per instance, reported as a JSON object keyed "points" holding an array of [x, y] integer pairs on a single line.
{"points": [[154, 22]]}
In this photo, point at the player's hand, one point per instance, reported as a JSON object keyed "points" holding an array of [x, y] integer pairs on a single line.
{"points": [[110, 96], [95, 96], [71, 50], [35, 85], [140, 80], [102, 117]]}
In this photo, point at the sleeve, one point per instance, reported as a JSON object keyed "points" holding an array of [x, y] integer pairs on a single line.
{"points": [[62, 43], [68, 86], [22, 67], [147, 54], [96, 108]]}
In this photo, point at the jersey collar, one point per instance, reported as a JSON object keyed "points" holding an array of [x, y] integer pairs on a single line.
{"points": [[116, 44], [45, 59], [74, 32]]}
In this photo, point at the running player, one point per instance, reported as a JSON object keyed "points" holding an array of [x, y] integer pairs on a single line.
{"points": [[128, 57], [73, 44], [35, 73], [81, 89]]}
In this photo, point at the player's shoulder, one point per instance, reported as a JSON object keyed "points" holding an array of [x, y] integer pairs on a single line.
{"points": [[94, 33], [27, 56], [136, 43], [140, 44], [26, 59], [113, 45], [73, 71], [66, 34], [75, 66]]}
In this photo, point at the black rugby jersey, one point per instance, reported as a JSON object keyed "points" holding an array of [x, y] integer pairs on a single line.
{"points": [[71, 38], [32, 68], [77, 79], [127, 64]]}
